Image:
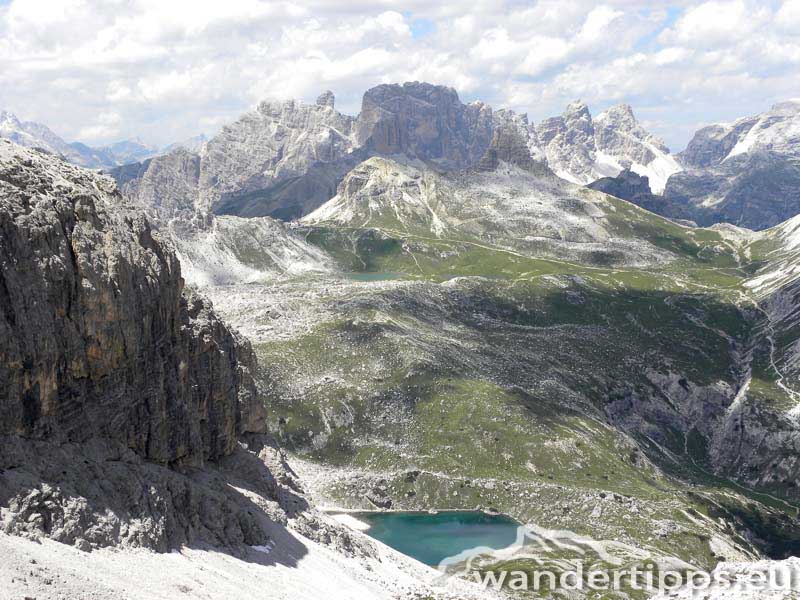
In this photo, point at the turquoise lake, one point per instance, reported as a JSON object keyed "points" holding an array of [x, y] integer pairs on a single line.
{"points": [[430, 538]]}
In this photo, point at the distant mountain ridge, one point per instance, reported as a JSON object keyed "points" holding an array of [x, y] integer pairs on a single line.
{"points": [[746, 173], [286, 158], [581, 149], [776, 130], [36, 135]]}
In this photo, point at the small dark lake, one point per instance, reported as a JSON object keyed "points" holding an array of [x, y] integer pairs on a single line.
{"points": [[373, 276]]}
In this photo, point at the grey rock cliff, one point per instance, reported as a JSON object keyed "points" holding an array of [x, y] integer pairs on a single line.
{"points": [[165, 186], [746, 173], [757, 189], [581, 149], [424, 121], [512, 144], [99, 337], [568, 141], [116, 383], [276, 143], [711, 144]]}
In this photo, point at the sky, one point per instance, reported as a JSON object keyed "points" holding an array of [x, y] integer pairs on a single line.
{"points": [[165, 70]]}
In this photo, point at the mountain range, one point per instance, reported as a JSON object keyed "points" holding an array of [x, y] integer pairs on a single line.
{"points": [[35, 135], [286, 158], [746, 173], [424, 307]]}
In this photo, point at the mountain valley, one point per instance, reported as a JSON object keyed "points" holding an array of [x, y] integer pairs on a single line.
{"points": [[424, 307]]}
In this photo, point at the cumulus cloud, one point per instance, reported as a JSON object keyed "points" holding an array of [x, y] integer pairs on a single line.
{"points": [[100, 70]]}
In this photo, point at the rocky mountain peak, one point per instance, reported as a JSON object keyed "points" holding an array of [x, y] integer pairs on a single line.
{"points": [[577, 118], [776, 130], [8, 119], [326, 98], [577, 108], [620, 115], [424, 121], [582, 149]]}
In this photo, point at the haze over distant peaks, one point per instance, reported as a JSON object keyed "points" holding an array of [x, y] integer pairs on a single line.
{"points": [[36, 135]]}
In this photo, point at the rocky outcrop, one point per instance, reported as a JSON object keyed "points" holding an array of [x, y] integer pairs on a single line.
{"points": [[618, 132], [277, 142], [582, 149], [114, 379], [326, 98], [746, 173], [165, 186], [710, 145], [424, 121], [276, 160], [99, 338], [568, 143], [100, 493], [627, 185], [635, 188], [757, 189], [511, 144], [775, 130]]}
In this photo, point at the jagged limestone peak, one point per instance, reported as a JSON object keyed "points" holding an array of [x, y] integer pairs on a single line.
{"points": [[326, 98]]}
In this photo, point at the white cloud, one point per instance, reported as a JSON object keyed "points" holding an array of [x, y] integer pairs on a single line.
{"points": [[715, 23], [597, 23], [789, 15], [171, 69], [669, 56]]}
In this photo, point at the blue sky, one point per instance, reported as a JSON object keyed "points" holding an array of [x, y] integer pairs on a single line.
{"points": [[105, 70]]}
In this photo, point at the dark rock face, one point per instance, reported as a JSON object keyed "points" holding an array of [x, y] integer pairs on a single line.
{"points": [[424, 121], [116, 383], [97, 337], [711, 144], [326, 98], [635, 188], [510, 144], [627, 185], [746, 173], [757, 190]]}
